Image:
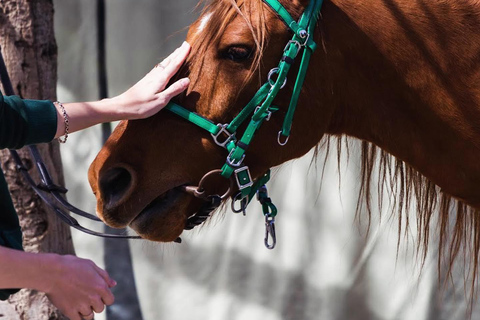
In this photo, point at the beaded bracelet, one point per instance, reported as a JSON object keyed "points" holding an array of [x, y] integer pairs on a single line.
{"points": [[65, 119]]}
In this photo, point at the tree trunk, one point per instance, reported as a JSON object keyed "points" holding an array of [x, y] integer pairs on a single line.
{"points": [[30, 52]]}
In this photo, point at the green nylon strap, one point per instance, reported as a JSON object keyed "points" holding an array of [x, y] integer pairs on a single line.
{"points": [[249, 108], [258, 184], [287, 122], [193, 118], [283, 14], [237, 153], [309, 21]]}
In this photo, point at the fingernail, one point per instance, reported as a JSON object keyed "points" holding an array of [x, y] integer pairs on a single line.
{"points": [[114, 283], [185, 81]]}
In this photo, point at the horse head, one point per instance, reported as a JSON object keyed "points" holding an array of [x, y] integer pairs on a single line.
{"points": [[140, 174]]}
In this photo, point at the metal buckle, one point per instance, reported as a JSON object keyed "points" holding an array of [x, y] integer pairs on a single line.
{"points": [[296, 43], [231, 162], [223, 130], [269, 113], [241, 185], [272, 82]]}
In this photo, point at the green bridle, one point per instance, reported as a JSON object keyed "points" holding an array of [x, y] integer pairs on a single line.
{"points": [[260, 108]]}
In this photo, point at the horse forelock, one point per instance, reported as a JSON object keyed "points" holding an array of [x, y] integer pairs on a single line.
{"points": [[215, 18]]}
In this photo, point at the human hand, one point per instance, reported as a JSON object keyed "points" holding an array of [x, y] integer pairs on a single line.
{"points": [[150, 95], [78, 287]]}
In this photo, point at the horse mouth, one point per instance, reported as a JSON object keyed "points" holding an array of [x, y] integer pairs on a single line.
{"points": [[161, 203], [161, 215]]}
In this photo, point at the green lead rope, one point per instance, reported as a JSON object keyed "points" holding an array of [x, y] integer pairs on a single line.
{"points": [[261, 107]]}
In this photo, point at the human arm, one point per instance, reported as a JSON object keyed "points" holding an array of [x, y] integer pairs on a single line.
{"points": [[145, 98], [24, 121], [74, 285]]}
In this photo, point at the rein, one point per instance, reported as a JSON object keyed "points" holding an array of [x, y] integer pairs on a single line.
{"points": [[261, 109]]}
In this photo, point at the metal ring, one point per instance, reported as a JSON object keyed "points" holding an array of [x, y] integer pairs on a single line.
{"points": [[272, 83], [243, 207], [282, 143], [199, 191]]}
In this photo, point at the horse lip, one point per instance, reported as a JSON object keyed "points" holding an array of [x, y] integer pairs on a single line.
{"points": [[160, 204]]}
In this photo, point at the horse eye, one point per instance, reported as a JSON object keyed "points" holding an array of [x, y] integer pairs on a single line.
{"points": [[238, 53]]}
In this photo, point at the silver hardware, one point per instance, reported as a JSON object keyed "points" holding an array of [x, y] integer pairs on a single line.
{"points": [[243, 204], [240, 185], [269, 113], [272, 82], [223, 130], [199, 191], [270, 232], [231, 162], [282, 143], [303, 34], [296, 43]]}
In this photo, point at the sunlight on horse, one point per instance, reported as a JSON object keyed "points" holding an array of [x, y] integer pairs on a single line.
{"points": [[403, 76]]}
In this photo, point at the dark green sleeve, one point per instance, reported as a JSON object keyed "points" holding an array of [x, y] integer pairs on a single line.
{"points": [[22, 122], [10, 232], [25, 122]]}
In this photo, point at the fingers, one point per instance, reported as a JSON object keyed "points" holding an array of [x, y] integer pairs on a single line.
{"points": [[104, 274], [98, 305], [174, 89], [86, 314], [168, 59], [174, 62], [108, 298]]}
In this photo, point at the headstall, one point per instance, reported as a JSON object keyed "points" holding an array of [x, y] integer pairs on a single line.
{"points": [[260, 109]]}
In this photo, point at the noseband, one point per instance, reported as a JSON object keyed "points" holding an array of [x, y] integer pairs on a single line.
{"points": [[261, 109]]}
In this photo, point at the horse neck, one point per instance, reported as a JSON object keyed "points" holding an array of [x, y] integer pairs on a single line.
{"points": [[405, 75]]}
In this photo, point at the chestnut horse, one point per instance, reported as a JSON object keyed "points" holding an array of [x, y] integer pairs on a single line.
{"points": [[402, 76]]}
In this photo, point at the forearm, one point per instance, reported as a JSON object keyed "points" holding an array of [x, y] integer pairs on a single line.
{"points": [[144, 99], [82, 115], [19, 269]]}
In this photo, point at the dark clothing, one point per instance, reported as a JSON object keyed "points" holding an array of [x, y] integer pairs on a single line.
{"points": [[22, 122]]}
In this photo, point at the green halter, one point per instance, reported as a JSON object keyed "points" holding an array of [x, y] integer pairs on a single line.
{"points": [[261, 108]]}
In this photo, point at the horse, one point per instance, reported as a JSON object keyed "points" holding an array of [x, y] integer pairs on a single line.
{"points": [[401, 76]]}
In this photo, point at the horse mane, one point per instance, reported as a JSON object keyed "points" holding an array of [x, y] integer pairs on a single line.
{"points": [[456, 224]]}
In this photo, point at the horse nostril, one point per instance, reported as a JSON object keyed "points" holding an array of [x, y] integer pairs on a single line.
{"points": [[114, 185]]}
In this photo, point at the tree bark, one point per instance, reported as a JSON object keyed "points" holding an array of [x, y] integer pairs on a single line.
{"points": [[30, 52]]}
